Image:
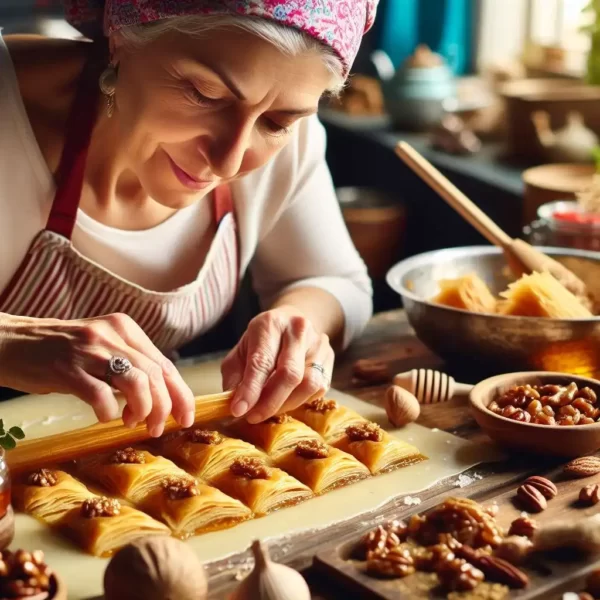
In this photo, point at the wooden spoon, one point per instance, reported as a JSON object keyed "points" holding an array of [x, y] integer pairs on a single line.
{"points": [[521, 256], [103, 436]]}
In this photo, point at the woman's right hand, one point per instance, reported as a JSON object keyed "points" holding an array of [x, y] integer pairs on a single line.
{"points": [[41, 356]]}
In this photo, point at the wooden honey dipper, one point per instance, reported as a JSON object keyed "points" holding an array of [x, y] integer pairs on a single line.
{"points": [[429, 386]]}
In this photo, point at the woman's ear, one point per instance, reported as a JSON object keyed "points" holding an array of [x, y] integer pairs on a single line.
{"points": [[115, 46]]}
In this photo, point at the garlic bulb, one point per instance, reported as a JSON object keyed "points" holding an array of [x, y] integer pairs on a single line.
{"points": [[401, 406], [271, 581], [155, 568]]}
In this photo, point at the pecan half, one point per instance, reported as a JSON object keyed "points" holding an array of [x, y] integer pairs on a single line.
{"points": [[523, 526], [459, 575], [128, 456], [590, 495], [396, 562], [321, 405], [43, 478], [362, 432], [279, 419], [250, 467], [312, 449], [531, 498], [178, 488], [100, 507], [543, 485], [501, 571], [205, 436], [585, 466]]}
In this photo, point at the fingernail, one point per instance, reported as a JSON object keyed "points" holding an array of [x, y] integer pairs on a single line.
{"points": [[188, 419], [239, 408], [131, 424], [156, 431]]}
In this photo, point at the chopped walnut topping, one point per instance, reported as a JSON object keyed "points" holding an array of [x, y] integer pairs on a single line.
{"points": [[43, 478], [279, 419], [100, 507], [128, 456], [312, 449], [178, 488], [364, 432], [321, 405], [251, 468], [204, 436]]}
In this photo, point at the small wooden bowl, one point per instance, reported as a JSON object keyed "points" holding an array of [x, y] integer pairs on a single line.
{"points": [[558, 441], [58, 589]]}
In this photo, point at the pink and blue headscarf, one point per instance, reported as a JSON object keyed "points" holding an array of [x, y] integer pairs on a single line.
{"points": [[339, 24]]}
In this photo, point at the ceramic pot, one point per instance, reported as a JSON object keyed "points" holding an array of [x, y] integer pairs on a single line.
{"points": [[7, 518]]}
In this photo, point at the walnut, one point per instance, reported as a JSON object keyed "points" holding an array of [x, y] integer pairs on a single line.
{"points": [[385, 536], [396, 562], [361, 432], [178, 488], [459, 575], [251, 468], [321, 405], [587, 394], [279, 419], [100, 507], [462, 518], [43, 478], [204, 436], [24, 574], [128, 456], [312, 449], [518, 396]]}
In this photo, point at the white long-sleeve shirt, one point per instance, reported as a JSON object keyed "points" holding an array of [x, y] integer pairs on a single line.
{"points": [[290, 225]]}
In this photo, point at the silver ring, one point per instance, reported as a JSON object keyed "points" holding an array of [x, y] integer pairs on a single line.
{"points": [[321, 370], [117, 365]]}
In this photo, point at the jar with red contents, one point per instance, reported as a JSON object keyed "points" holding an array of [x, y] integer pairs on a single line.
{"points": [[566, 225], [6, 513]]}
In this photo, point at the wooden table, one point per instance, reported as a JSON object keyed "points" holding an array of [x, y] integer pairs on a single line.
{"points": [[388, 337]]}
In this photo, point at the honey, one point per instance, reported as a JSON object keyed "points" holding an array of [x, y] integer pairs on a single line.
{"points": [[4, 485]]}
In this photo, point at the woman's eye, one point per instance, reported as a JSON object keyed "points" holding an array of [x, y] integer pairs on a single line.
{"points": [[201, 99], [276, 129]]}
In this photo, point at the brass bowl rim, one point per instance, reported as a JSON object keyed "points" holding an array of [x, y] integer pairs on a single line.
{"points": [[396, 274]]}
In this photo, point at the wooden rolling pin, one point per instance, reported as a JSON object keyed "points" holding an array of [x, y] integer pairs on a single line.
{"points": [[521, 256], [101, 437]]}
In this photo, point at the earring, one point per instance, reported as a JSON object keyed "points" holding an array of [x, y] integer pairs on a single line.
{"points": [[108, 85]]}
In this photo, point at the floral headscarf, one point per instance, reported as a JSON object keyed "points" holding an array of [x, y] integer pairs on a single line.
{"points": [[339, 24]]}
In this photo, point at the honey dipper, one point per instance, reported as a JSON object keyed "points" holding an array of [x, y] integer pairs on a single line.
{"points": [[522, 258], [429, 386]]}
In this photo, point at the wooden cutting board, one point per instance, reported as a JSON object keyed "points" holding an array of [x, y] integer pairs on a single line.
{"points": [[448, 456]]}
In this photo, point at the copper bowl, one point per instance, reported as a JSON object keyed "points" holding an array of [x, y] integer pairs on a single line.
{"points": [[547, 440]]}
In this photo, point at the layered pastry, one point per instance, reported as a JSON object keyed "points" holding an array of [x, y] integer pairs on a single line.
{"points": [[327, 418], [48, 495], [189, 507], [377, 449], [102, 525], [321, 467], [129, 473], [276, 435], [204, 453], [260, 487]]}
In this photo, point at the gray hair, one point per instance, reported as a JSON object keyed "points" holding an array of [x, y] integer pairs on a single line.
{"points": [[290, 41]]}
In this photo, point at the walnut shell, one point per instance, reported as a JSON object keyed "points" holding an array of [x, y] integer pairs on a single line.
{"points": [[401, 406], [155, 568]]}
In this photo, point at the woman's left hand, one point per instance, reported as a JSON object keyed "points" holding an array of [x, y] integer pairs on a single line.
{"points": [[280, 363]]}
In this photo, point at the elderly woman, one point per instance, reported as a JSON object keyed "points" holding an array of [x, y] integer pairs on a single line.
{"points": [[142, 174]]}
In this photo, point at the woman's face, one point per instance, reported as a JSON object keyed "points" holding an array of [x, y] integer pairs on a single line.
{"points": [[195, 113]]}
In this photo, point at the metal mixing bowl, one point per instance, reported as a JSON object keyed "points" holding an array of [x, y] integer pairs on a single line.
{"points": [[497, 342]]}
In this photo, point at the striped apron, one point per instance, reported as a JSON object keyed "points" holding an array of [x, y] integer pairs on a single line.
{"points": [[55, 280]]}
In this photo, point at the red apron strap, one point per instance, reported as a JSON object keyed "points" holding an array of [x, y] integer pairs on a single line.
{"points": [[71, 170], [223, 202]]}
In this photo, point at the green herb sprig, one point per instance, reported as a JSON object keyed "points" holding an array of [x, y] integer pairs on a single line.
{"points": [[8, 439]]}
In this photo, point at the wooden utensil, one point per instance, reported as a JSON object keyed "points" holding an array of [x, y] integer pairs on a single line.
{"points": [[430, 386], [104, 436], [521, 256]]}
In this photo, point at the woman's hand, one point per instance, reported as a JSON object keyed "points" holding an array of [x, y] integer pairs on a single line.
{"points": [[72, 357], [270, 368]]}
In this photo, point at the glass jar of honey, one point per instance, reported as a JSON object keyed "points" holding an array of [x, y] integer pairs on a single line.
{"points": [[4, 484]]}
